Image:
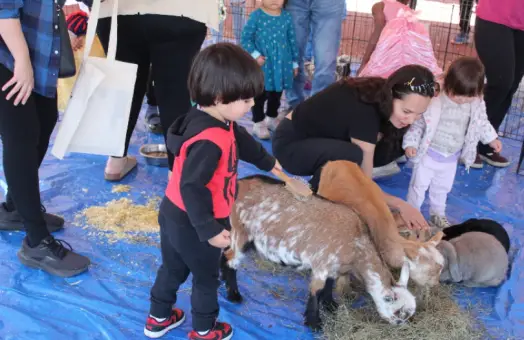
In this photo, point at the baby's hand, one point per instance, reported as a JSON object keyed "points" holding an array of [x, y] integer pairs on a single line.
{"points": [[295, 72], [496, 145], [221, 240], [261, 60], [411, 152]]}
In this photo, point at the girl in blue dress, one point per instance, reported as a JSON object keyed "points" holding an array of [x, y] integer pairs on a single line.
{"points": [[269, 36]]}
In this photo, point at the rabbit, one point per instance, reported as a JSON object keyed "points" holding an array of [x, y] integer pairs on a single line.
{"points": [[482, 225], [477, 259]]}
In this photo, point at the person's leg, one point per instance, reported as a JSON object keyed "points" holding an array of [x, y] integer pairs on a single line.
{"points": [[306, 157], [152, 116], [260, 129], [495, 46], [151, 98], [132, 49], [175, 42], [439, 188], [419, 183], [172, 273], [466, 8], [273, 104], [326, 24], [237, 11], [300, 13], [47, 121]]}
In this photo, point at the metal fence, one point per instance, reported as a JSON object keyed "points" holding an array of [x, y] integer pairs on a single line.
{"points": [[356, 30]]}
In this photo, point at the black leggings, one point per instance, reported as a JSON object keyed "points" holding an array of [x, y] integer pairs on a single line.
{"points": [[166, 45], [466, 8], [501, 50], [26, 130], [273, 104]]}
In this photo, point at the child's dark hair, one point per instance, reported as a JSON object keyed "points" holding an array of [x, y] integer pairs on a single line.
{"points": [[465, 77], [224, 73]]}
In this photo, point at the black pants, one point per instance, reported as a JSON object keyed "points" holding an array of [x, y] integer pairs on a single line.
{"points": [[26, 130], [167, 45], [466, 8], [501, 50], [273, 104], [184, 253]]}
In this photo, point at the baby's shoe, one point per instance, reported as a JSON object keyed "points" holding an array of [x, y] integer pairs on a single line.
{"points": [[260, 130], [440, 222]]}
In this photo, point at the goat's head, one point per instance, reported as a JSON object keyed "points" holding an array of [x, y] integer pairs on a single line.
{"points": [[396, 304], [425, 261]]}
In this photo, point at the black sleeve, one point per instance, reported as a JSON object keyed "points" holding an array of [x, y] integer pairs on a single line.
{"points": [[365, 123], [252, 151], [199, 167]]}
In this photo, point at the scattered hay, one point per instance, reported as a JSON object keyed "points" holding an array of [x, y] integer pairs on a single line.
{"points": [[438, 317], [120, 188], [121, 219]]}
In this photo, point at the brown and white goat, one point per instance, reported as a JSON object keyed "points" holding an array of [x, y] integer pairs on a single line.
{"points": [[328, 238], [345, 183]]}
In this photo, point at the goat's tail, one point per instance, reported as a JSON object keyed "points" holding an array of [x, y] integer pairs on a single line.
{"points": [[344, 182]]}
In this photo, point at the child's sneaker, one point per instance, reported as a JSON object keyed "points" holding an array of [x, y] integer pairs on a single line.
{"points": [[440, 222], [461, 39], [155, 329], [386, 170], [221, 331], [272, 123], [260, 130], [478, 164]]}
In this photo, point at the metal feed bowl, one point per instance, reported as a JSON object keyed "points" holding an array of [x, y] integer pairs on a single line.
{"points": [[148, 151]]}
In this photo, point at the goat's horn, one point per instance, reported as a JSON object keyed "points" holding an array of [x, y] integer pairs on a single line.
{"points": [[404, 275]]}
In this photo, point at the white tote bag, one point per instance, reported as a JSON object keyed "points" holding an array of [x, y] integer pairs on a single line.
{"points": [[96, 118]]}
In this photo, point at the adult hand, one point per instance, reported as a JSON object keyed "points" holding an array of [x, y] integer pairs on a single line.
{"points": [[261, 60], [411, 152], [68, 9], [412, 217], [21, 83], [78, 42], [496, 145], [221, 240]]}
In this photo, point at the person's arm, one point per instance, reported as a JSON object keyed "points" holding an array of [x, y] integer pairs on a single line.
{"points": [[368, 150], [247, 41], [379, 22], [199, 167], [414, 135], [252, 151], [292, 40]]}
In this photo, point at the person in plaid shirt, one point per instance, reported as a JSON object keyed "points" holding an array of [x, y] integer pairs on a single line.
{"points": [[29, 68]]}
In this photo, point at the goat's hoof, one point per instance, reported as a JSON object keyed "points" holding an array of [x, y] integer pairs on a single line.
{"points": [[314, 323], [331, 306], [234, 296]]}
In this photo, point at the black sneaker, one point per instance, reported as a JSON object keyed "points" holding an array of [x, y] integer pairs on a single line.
{"points": [[221, 331], [51, 256], [155, 329], [495, 159], [12, 221]]}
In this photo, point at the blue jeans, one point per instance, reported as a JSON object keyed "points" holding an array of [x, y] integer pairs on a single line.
{"points": [[309, 48], [323, 18]]}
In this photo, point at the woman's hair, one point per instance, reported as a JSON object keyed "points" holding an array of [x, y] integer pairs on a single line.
{"points": [[465, 77], [224, 73], [409, 79]]}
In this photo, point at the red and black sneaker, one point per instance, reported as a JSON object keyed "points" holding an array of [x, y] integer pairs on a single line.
{"points": [[155, 329], [221, 331]]}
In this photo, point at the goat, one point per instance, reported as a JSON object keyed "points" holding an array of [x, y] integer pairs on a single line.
{"points": [[345, 183], [328, 238]]}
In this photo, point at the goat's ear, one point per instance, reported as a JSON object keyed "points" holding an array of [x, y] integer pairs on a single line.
{"points": [[435, 239], [404, 275]]}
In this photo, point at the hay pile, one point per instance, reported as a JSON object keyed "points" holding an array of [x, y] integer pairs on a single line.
{"points": [[119, 188], [121, 219], [438, 317]]}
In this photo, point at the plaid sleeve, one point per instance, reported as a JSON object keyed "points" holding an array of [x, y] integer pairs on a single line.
{"points": [[10, 8]]}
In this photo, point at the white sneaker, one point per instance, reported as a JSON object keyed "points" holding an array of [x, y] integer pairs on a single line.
{"points": [[272, 123], [440, 222], [386, 170], [260, 130]]}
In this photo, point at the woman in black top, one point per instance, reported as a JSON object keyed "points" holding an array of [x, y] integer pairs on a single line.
{"points": [[361, 120]]}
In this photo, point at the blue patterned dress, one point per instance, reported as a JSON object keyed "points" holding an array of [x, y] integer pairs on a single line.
{"points": [[274, 38]]}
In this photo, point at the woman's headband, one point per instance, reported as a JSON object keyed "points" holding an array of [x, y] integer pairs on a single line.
{"points": [[425, 89]]}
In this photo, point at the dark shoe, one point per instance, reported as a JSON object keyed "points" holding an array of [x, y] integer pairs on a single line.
{"points": [[51, 256], [155, 329], [12, 221], [495, 159], [221, 331], [478, 164]]}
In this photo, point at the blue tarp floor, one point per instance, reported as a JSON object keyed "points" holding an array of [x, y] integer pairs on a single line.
{"points": [[111, 300]]}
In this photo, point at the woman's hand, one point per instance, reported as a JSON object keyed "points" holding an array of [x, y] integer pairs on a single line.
{"points": [[412, 217], [22, 82]]}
